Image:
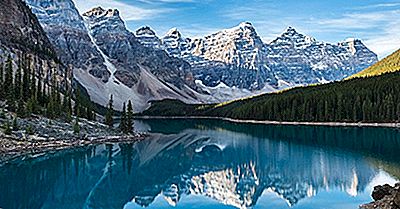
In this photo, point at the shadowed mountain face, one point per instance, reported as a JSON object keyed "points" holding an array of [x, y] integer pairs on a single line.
{"points": [[207, 162], [23, 39]]}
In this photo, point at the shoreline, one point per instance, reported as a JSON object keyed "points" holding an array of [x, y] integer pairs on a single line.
{"points": [[266, 122], [13, 149]]}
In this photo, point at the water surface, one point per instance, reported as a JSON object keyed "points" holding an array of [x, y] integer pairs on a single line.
{"points": [[211, 164]]}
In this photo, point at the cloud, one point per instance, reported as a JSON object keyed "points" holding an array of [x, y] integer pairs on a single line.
{"points": [[127, 11], [380, 29], [383, 5], [165, 1]]}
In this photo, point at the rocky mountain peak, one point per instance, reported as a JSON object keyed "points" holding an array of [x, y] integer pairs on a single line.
{"points": [[290, 31], [147, 37], [293, 38], [99, 12], [174, 33], [107, 20], [353, 45], [145, 31], [246, 26]]}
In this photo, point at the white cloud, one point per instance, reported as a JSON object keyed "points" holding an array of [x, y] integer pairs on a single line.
{"points": [[128, 12], [380, 29]]}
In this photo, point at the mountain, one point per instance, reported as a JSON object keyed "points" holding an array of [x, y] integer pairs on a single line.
{"points": [[67, 32], [23, 39], [237, 57], [108, 60], [389, 64], [373, 99]]}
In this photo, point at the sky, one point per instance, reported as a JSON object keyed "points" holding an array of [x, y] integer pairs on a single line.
{"points": [[375, 22]]}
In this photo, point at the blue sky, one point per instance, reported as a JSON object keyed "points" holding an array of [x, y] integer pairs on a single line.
{"points": [[376, 22]]}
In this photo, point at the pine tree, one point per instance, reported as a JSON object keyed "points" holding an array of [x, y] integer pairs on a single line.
{"points": [[26, 79], [77, 102], [1, 80], [122, 124], [129, 117], [398, 112], [32, 85], [15, 124], [76, 127], [7, 128], [110, 112], [29, 130], [8, 82], [17, 82]]}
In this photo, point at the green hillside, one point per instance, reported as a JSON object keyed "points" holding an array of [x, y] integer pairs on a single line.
{"points": [[372, 99], [387, 65]]}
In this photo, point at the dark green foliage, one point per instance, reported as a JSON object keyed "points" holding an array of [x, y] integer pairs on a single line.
{"points": [[8, 83], [2, 95], [76, 127], [129, 118], [18, 82], [373, 99], [110, 113], [27, 92], [2, 114], [7, 128], [15, 124], [122, 124], [29, 130]]}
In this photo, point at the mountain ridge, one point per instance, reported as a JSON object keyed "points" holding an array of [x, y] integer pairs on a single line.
{"points": [[229, 64], [389, 64], [278, 62]]}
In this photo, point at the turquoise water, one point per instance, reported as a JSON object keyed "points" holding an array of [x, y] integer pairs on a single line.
{"points": [[211, 164]]}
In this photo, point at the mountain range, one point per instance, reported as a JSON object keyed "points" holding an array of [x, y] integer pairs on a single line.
{"points": [[356, 99], [108, 59]]}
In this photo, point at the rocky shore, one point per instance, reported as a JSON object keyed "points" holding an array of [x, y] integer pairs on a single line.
{"points": [[37, 135], [385, 197]]}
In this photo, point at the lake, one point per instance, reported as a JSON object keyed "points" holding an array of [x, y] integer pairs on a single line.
{"points": [[211, 164]]}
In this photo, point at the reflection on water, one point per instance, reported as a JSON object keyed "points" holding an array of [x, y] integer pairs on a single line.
{"points": [[211, 164]]}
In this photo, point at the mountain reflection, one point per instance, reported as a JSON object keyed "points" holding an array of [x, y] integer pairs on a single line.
{"points": [[231, 164]]}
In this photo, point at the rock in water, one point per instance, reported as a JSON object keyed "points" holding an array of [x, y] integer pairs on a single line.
{"points": [[381, 191], [386, 197]]}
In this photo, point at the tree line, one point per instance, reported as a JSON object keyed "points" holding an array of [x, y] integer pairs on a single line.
{"points": [[370, 99], [374, 99], [26, 90]]}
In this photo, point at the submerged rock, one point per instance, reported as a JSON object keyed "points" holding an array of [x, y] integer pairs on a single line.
{"points": [[386, 197]]}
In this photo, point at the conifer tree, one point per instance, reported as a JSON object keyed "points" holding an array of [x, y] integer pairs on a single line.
{"points": [[398, 112], [110, 112], [122, 124], [26, 79], [129, 117], [17, 82], [7, 128], [8, 81], [1, 80], [76, 127], [15, 124], [77, 102]]}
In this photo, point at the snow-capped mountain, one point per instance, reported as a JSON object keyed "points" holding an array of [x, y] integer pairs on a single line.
{"points": [[298, 59], [107, 58], [148, 37], [237, 57]]}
